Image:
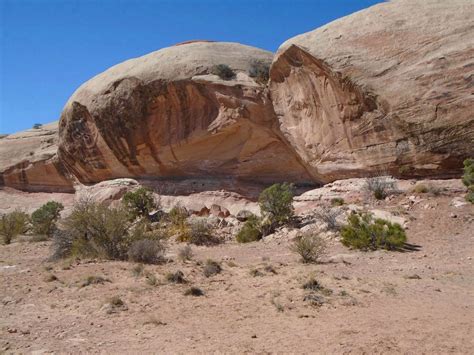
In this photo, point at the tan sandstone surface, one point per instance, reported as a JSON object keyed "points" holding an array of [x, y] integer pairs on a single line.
{"points": [[164, 115], [28, 161], [384, 88]]}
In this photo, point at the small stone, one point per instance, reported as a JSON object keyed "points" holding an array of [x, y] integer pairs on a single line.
{"points": [[453, 215]]}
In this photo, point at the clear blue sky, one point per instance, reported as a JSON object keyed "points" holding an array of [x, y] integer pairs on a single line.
{"points": [[50, 47]]}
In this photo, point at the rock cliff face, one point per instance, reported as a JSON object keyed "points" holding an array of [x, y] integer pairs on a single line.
{"points": [[388, 88], [166, 116], [28, 161]]}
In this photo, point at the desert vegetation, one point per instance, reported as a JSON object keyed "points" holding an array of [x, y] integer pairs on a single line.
{"points": [[12, 224], [379, 186], [223, 71], [365, 232], [310, 247], [468, 179], [44, 219], [260, 71]]}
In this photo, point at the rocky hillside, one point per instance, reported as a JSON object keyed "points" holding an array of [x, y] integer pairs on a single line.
{"points": [[385, 89]]}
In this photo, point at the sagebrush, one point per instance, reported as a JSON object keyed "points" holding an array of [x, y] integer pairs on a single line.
{"points": [[468, 178], [140, 203], [379, 186], [44, 218], [276, 204], [250, 231], [260, 71], [366, 233], [310, 247], [95, 230], [13, 224], [223, 71]]}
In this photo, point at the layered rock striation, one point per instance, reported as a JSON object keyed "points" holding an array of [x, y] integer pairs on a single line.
{"points": [[389, 88], [29, 161], [166, 116]]}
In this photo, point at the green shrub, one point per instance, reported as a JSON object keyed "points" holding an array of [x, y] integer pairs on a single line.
{"points": [[421, 189], [276, 203], [310, 247], [44, 218], [337, 201], [140, 202], [223, 71], [470, 194], [211, 268], [404, 169], [94, 230], [13, 224], [260, 71], [379, 186], [468, 178], [178, 215], [366, 233], [146, 251], [250, 231]]}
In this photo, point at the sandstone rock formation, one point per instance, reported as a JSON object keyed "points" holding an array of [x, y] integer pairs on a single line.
{"points": [[164, 115], [28, 161], [388, 88]]}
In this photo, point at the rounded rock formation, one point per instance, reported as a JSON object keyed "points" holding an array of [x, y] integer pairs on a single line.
{"points": [[166, 116], [28, 161], [389, 88]]}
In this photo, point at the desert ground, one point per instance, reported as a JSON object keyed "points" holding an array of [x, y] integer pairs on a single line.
{"points": [[420, 301]]}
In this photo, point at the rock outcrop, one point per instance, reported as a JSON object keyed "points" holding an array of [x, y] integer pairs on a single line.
{"points": [[388, 88], [28, 161], [166, 116]]}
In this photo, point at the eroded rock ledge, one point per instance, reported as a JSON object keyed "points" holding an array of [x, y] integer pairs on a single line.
{"points": [[176, 125], [28, 161], [385, 89]]}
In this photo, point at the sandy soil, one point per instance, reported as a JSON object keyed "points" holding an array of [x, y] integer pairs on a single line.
{"points": [[379, 302]]}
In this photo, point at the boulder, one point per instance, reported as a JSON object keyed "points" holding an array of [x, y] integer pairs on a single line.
{"points": [[106, 191], [387, 88], [166, 116], [28, 161], [244, 215]]}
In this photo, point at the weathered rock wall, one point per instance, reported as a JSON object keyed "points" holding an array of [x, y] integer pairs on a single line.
{"points": [[389, 88]]}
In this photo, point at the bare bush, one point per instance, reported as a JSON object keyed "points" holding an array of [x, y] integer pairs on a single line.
{"points": [[185, 253], [329, 216], [310, 247], [94, 230], [379, 186], [146, 251]]}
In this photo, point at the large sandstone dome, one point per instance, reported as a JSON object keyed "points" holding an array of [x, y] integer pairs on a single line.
{"points": [[387, 88], [164, 115]]}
